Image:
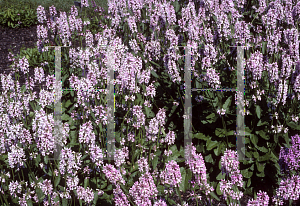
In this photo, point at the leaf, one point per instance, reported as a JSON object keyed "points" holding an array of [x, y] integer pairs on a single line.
{"points": [[182, 184], [211, 144], [293, 125], [86, 181], [201, 136], [262, 134], [260, 166], [176, 5], [153, 72], [95, 197], [264, 47], [154, 162], [221, 176], [29, 202], [149, 112], [258, 111], [57, 180], [261, 124], [68, 103], [213, 194], [209, 158], [220, 132], [254, 139], [218, 189], [246, 173], [249, 182], [227, 102], [65, 117]]}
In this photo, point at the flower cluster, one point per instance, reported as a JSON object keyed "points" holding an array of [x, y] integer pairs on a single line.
{"points": [[197, 166], [262, 200], [229, 164], [143, 190], [171, 175], [113, 175], [85, 194]]}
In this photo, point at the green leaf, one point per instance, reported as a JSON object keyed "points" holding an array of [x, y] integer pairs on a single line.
{"points": [[149, 112], [246, 173], [260, 166], [153, 72], [249, 182], [29, 202], [220, 132], [176, 5], [201, 136], [227, 102], [213, 194], [293, 125], [254, 139], [261, 124], [258, 111], [57, 180], [68, 103], [262, 134], [209, 158], [182, 184], [221, 176], [211, 116], [95, 197], [86, 182], [219, 149], [218, 189], [65, 117], [264, 47], [37, 160], [154, 162], [211, 144]]}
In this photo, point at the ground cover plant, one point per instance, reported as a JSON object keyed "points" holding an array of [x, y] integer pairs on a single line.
{"points": [[149, 96]]}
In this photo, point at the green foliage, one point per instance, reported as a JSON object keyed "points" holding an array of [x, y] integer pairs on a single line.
{"points": [[18, 16]]}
